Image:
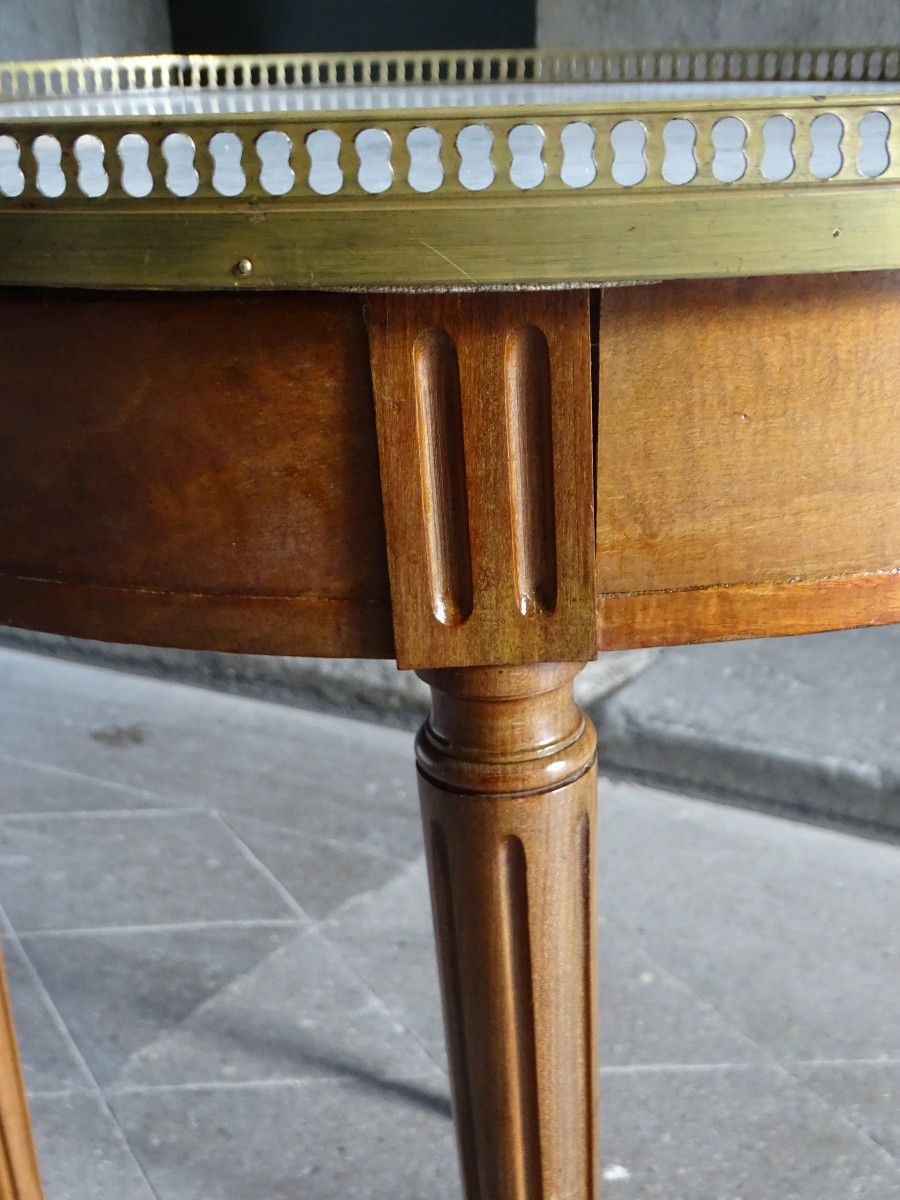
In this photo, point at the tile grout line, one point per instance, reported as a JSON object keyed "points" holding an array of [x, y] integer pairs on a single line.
{"points": [[703, 1001], [218, 1085], [845, 1062], [321, 928], [89, 814], [788, 1068], [68, 773], [301, 929], [350, 844], [294, 1081], [10, 934], [773, 1065], [839, 1112], [321, 840], [261, 867], [164, 927], [63, 1030], [57, 1094], [346, 906]]}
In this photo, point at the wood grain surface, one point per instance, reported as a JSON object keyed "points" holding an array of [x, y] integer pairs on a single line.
{"points": [[202, 470], [308, 625], [174, 458], [483, 406], [747, 431], [724, 614], [507, 780]]}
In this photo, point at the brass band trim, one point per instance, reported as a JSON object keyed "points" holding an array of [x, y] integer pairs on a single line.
{"points": [[560, 240]]}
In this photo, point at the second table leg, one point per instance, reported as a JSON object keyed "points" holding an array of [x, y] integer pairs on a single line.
{"points": [[19, 1178]]}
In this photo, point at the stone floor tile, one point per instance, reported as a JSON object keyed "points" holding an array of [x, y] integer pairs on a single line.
{"points": [[128, 869], [300, 1012], [808, 722], [90, 721], [730, 939], [118, 992], [29, 788], [327, 776], [387, 937], [49, 1063], [648, 1016], [739, 1134], [312, 1141], [320, 874], [868, 1094], [789, 931], [82, 1152]]}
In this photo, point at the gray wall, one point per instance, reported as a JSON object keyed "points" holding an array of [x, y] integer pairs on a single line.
{"points": [[80, 28], [622, 23]]}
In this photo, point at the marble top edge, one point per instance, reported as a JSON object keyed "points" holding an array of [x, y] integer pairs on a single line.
{"points": [[287, 101]]}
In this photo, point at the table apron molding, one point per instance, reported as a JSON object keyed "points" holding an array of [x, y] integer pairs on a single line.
{"points": [[286, 625], [747, 610], [293, 625]]}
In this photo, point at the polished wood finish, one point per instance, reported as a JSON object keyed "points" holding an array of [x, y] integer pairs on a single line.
{"points": [[192, 469], [507, 780], [19, 1177], [722, 614], [483, 407], [202, 471], [307, 625], [744, 434]]}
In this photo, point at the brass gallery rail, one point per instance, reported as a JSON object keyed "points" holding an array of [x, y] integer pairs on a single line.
{"points": [[538, 194]]}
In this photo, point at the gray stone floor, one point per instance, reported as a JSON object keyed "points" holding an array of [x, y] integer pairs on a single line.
{"points": [[798, 723], [215, 921]]}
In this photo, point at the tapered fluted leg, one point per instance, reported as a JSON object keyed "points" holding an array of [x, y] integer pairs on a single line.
{"points": [[507, 779], [19, 1178]]}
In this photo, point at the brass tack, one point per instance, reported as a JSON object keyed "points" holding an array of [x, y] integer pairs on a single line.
{"points": [[243, 266]]}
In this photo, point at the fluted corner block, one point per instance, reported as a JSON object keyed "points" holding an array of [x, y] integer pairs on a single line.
{"points": [[507, 780], [483, 404]]}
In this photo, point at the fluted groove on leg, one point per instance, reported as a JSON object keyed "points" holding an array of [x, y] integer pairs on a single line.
{"points": [[586, 922], [448, 966], [517, 931], [508, 790]]}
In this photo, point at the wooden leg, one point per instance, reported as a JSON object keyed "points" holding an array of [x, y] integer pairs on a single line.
{"points": [[507, 779], [19, 1178]]}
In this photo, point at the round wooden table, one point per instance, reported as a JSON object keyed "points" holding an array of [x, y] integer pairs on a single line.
{"points": [[332, 355]]}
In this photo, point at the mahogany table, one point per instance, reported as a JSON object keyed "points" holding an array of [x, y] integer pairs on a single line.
{"points": [[333, 356]]}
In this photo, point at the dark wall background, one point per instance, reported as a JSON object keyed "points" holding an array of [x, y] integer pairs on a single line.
{"points": [[245, 26]]}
